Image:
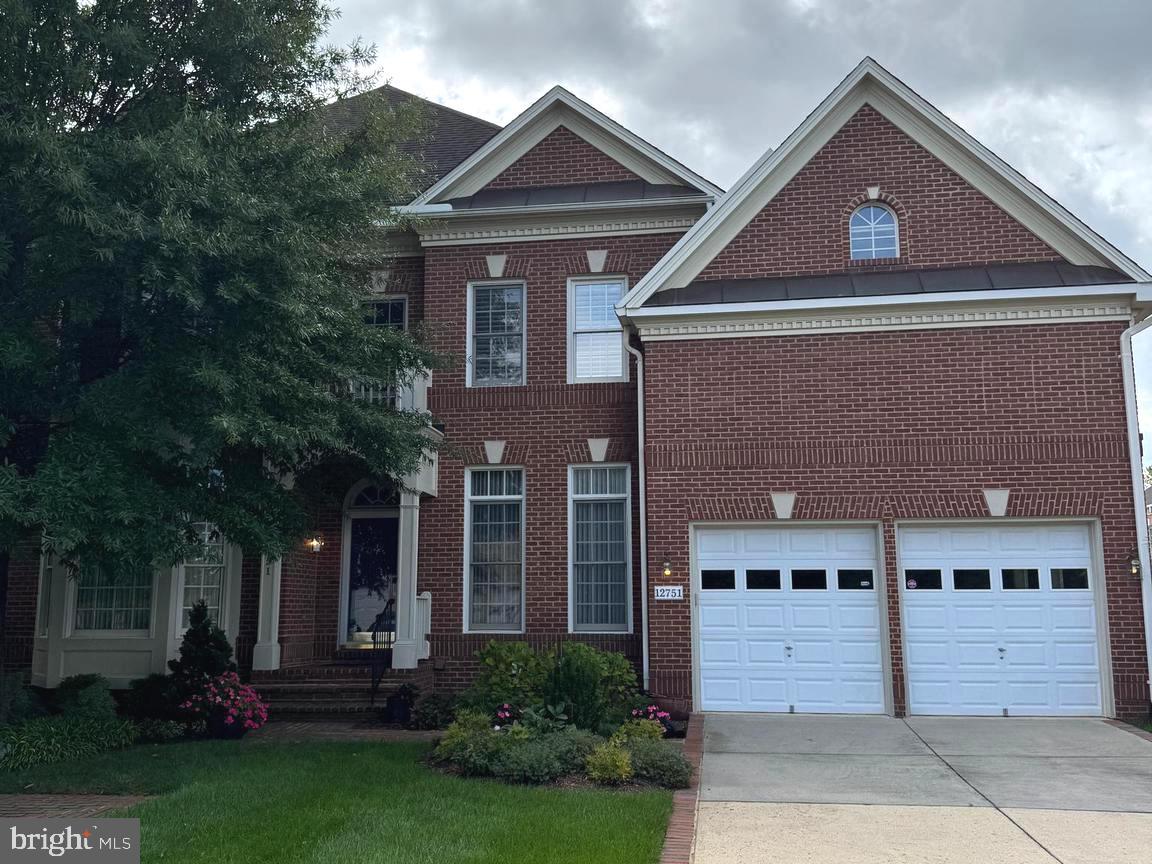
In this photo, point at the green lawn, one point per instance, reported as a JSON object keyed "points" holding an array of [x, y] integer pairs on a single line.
{"points": [[358, 803]]}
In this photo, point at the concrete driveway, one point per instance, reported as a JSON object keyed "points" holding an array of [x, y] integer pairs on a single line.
{"points": [[929, 790]]}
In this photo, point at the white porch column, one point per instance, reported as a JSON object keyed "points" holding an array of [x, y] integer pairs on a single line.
{"points": [[408, 642], [266, 654]]}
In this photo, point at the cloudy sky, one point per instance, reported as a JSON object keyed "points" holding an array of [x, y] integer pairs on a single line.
{"points": [[1061, 89]]}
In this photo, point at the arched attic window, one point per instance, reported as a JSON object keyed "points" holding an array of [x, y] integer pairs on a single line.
{"points": [[873, 232]]}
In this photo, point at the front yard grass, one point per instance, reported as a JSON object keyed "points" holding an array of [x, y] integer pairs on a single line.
{"points": [[351, 803]]}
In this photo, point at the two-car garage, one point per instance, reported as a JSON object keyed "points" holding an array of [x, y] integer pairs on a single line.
{"points": [[998, 619]]}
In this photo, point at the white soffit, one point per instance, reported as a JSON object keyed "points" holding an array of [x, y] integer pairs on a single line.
{"points": [[556, 108], [871, 84]]}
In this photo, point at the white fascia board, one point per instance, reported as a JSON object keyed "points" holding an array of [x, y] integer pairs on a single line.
{"points": [[532, 126], [573, 207], [1138, 293], [872, 84]]}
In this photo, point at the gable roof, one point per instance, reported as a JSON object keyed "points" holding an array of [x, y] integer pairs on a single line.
{"points": [[557, 108], [870, 84], [451, 135]]}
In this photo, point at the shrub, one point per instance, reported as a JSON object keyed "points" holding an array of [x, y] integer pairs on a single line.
{"points": [[638, 730], [574, 746], [152, 731], [61, 738], [660, 762], [226, 700], [535, 760], [594, 687], [17, 702], [510, 672], [465, 732], [153, 698], [609, 764], [86, 695], [435, 711], [205, 653]]}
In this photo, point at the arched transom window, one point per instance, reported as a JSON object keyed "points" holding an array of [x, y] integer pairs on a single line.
{"points": [[873, 233], [375, 496]]}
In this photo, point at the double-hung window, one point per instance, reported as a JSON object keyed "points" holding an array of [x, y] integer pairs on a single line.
{"points": [[204, 574], [595, 337], [600, 548], [113, 602], [391, 312], [495, 549], [496, 334]]}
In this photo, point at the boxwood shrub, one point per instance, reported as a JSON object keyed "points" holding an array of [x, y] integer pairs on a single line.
{"points": [[661, 763]]}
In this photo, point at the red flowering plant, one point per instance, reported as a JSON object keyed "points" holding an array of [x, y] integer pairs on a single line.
{"points": [[228, 707], [505, 715], [653, 712]]}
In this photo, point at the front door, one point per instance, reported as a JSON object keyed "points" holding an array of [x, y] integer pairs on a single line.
{"points": [[370, 579]]}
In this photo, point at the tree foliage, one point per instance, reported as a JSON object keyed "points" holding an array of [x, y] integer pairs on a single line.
{"points": [[184, 256]]}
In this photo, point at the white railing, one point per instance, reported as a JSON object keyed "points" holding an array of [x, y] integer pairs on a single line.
{"points": [[423, 625], [411, 397]]}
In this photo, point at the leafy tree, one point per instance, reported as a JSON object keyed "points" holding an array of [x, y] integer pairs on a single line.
{"points": [[184, 252]]}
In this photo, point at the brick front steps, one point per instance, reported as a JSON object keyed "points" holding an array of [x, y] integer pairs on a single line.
{"points": [[336, 689]]}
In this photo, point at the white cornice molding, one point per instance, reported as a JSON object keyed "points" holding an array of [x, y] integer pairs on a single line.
{"points": [[461, 232], [718, 325]]}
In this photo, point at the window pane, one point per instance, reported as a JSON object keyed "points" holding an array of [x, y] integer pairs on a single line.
{"points": [[496, 572], [718, 580], [113, 602], [599, 355], [600, 481], [498, 334], [1020, 579], [971, 580], [762, 580], [854, 580], [809, 580], [388, 313], [600, 564], [1069, 578], [922, 580], [595, 305], [872, 233], [204, 573]]}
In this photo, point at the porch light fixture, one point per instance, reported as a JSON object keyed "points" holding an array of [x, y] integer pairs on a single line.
{"points": [[1134, 563], [315, 544], [667, 569]]}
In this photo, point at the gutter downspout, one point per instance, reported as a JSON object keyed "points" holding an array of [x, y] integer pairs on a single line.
{"points": [[1134, 454], [642, 462]]}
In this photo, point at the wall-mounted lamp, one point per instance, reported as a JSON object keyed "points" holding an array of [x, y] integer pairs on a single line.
{"points": [[1134, 562], [315, 544], [667, 569]]}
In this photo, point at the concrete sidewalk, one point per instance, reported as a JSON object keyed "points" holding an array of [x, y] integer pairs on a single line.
{"points": [[838, 788]]}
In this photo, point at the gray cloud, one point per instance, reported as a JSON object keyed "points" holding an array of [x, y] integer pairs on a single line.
{"points": [[1062, 89]]}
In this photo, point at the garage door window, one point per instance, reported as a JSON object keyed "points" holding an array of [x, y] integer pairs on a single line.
{"points": [[1020, 579], [763, 580], [809, 580], [1070, 579], [718, 580], [923, 580], [854, 580], [972, 580]]}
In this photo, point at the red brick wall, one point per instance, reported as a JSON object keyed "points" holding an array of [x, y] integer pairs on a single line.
{"points": [[545, 425], [405, 275], [19, 629], [889, 426], [943, 221], [561, 158]]}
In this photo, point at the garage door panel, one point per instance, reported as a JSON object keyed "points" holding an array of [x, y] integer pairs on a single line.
{"points": [[1031, 649], [786, 649]]}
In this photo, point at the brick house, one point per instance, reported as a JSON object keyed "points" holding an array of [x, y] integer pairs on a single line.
{"points": [[856, 436]]}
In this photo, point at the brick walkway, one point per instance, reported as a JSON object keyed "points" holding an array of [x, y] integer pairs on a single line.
{"points": [[63, 806], [336, 730]]}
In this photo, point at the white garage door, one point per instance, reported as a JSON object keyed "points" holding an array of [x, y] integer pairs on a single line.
{"points": [[1000, 619], [789, 620]]}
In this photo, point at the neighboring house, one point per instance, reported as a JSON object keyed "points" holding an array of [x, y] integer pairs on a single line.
{"points": [[886, 453]]}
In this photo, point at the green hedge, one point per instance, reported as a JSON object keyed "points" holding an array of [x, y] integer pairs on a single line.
{"points": [[62, 738]]}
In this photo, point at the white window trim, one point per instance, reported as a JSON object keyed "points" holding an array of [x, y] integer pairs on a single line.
{"points": [[523, 499], [895, 228], [384, 298], [232, 566], [469, 331], [573, 281], [72, 632], [627, 539]]}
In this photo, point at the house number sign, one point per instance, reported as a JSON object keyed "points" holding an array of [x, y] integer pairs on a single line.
{"points": [[669, 592]]}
